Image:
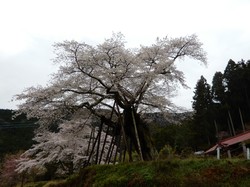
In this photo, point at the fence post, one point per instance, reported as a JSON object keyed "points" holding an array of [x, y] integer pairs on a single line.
{"points": [[218, 153], [248, 153], [244, 149]]}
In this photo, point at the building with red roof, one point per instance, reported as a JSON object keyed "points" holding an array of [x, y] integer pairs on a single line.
{"points": [[228, 143]]}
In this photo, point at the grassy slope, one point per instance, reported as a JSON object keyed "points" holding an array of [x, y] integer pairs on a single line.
{"points": [[189, 172]]}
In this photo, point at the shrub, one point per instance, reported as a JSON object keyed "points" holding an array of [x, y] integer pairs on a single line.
{"points": [[167, 152], [186, 152]]}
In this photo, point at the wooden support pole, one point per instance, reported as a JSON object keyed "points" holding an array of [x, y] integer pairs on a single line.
{"points": [[107, 132], [136, 135], [110, 147], [231, 121], [121, 146], [90, 139], [242, 122], [98, 144], [104, 143], [93, 147], [118, 145], [217, 132], [121, 121], [229, 127]]}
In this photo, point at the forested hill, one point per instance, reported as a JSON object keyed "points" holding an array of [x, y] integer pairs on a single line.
{"points": [[6, 117], [161, 119], [15, 134]]}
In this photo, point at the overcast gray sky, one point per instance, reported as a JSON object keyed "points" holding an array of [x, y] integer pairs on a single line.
{"points": [[30, 27]]}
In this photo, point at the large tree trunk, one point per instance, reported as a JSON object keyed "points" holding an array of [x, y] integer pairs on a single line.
{"points": [[141, 137]]}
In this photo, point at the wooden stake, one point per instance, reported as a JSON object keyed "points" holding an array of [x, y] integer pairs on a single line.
{"points": [[104, 143], [229, 127], [93, 147], [90, 139], [242, 122], [136, 135], [117, 146], [217, 132], [231, 123], [126, 147], [99, 141], [110, 147]]}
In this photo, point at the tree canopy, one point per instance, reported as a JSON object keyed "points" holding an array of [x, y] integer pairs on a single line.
{"points": [[111, 76], [93, 76]]}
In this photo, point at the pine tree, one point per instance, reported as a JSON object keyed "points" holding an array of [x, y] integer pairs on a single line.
{"points": [[219, 99], [202, 118], [237, 82], [202, 97], [218, 88]]}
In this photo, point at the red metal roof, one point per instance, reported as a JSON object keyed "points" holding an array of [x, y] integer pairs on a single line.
{"points": [[231, 141]]}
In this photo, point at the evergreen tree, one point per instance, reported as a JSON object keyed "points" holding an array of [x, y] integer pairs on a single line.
{"points": [[202, 118], [237, 81], [219, 108], [247, 90], [218, 88], [229, 96], [202, 97]]}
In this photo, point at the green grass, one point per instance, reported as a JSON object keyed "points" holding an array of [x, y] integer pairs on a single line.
{"points": [[135, 174], [35, 184], [175, 172]]}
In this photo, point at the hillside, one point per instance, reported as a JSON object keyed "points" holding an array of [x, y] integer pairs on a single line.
{"points": [[15, 134], [162, 119], [177, 172]]}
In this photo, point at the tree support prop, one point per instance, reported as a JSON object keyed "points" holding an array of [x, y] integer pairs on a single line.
{"points": [[136, 134]]}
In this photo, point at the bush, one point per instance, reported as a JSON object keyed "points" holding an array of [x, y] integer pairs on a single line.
{"points": [[167, 152], [186, 152]]}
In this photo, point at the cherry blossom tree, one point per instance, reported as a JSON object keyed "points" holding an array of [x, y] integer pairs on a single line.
{"points": [[109, 76], [66, 149]]}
